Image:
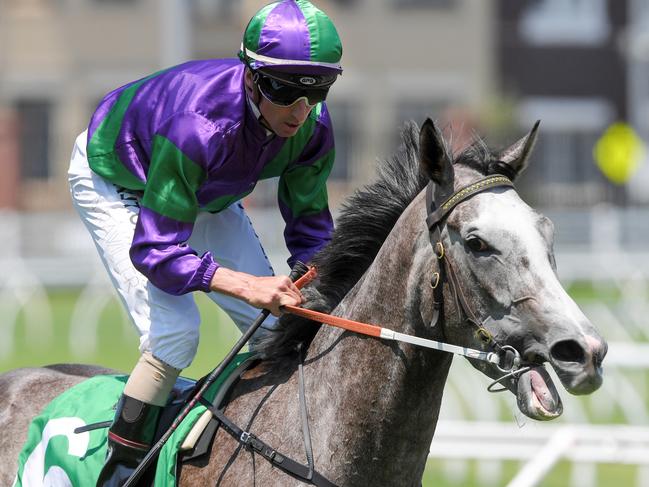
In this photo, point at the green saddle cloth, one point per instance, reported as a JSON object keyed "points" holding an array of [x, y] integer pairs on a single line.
{"points": [[54, 455]]}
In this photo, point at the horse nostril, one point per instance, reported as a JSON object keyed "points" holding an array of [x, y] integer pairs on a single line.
{"points": [[598, 349], [568, 351]]}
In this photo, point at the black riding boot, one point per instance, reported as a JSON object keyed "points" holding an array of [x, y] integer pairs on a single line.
{"points": [[129, 440]]}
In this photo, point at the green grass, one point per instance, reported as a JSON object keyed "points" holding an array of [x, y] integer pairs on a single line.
{"points": [[117, 343], [589, 291], [605, 291], [117, 348], [609, 475]]}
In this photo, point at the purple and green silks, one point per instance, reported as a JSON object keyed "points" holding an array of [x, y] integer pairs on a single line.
{"points": [[186, 139]]}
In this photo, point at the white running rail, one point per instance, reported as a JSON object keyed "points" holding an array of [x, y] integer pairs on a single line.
{"points": [[540, 445]]}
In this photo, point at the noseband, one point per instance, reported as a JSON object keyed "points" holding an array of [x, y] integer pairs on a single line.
{"points": [[510, 360]]}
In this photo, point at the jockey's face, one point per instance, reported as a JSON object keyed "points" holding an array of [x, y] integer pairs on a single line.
{"points": [[284, 121]]}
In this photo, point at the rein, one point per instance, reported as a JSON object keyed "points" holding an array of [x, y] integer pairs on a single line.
{"points": [[387, 334]]}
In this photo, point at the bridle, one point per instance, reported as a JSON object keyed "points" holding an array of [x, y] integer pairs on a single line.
{"points": [[505, 357], [509, 358]]}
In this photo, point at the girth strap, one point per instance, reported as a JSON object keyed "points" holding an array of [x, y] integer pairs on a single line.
{"points": [[306, 432], [251, 443]]}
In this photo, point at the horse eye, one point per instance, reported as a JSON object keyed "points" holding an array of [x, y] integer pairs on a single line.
{"points": [[477, 245]]}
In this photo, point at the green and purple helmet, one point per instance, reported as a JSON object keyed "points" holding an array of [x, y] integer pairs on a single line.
{"points": [[292, 36]]}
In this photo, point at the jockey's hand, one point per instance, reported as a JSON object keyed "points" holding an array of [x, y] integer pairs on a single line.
{"points": [[261, 292]]}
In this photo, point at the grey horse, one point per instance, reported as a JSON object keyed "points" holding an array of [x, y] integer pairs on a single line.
{"points": [[373, 405]]}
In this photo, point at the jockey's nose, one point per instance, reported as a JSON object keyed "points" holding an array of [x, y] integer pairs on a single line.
{"points": [[301, 110]]}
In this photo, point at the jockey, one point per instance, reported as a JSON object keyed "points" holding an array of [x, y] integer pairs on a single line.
{"points": [[158, 177]]}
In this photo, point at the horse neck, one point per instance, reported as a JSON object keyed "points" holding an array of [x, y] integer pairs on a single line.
{"points": [[377, 402]]}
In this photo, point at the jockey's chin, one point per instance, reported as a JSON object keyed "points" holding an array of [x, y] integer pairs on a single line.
{"points": [[288, 129]]}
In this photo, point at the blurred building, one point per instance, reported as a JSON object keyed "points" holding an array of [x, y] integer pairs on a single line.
{"points": [[578, 66], [563, 63], [637, 51], [493, 67], [403, 59], [57, 59], [498, 66]]}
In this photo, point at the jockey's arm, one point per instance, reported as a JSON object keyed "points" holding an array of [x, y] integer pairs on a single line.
{"points": [[268, 292], [302, 193]]}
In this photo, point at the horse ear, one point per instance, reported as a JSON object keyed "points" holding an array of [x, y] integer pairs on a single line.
{"points": [[513, 160], [433, 154]]}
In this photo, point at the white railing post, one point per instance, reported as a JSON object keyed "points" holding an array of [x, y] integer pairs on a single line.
{"points": [[583, 475], [536, 469]]}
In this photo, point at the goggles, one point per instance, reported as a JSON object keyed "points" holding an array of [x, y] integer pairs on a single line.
{"points": [[285, 89]]}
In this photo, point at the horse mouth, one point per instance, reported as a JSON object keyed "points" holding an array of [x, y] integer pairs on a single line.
{"points": [[537, 396]]}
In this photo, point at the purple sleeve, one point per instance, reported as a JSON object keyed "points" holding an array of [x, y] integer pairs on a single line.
{"points": [[306, 235], [159, 252], [303, 195], [169, 208]]}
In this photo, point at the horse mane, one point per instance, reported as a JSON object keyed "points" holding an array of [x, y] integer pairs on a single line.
{"points": [[479, 157], [364, 222]]}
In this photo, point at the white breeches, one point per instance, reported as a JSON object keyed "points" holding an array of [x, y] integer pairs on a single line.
{"points": [[168, 325]]}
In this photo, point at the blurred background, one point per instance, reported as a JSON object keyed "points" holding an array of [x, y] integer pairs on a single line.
{"points": [[491, 67]]}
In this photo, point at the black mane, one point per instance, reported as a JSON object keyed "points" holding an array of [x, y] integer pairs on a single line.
{"points": [[478, 156], [365, 220]]}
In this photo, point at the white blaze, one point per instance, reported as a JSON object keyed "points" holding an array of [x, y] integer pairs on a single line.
{"points": [[505, 213]]}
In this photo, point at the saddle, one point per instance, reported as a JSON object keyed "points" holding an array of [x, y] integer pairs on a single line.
{"points": [[202, 434], [247, 439]]}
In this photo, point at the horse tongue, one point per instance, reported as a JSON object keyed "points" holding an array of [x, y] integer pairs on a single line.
{"points": [[537, 396]]}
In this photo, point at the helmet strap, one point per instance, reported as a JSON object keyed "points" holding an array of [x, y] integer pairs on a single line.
{"points": [[254, 106]]}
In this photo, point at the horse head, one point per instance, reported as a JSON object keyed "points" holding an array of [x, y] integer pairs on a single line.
{"points": [[500, 254]]}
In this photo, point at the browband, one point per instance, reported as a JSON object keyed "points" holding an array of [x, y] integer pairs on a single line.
{"points": [[434, 217]]}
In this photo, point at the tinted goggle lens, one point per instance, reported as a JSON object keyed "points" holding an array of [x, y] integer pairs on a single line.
{"points": [[285, 94]]}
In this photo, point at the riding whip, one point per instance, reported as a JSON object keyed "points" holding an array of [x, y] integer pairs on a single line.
{"points": [[301, 275]]}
